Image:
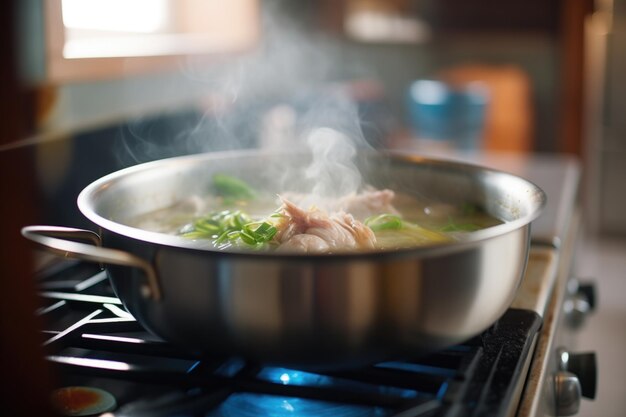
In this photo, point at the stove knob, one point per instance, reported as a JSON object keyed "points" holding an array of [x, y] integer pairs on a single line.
{"points": [[580, 302], [589, 291], [584, 366], [567, 392]]}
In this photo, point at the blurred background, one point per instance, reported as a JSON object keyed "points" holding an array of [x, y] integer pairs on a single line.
{"points": [[149, 79], [90, 87]]}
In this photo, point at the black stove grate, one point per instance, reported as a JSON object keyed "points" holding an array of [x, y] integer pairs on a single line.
{"points": [[93, 341]]}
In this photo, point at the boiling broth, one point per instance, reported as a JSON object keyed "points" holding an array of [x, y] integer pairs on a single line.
{"points": [[420, 223]]}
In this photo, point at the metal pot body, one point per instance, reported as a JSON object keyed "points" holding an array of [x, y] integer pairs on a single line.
{"points": [[319, 310], [323, 312]]}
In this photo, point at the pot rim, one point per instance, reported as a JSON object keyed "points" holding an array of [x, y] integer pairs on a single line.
{"points": [[89, 193]]}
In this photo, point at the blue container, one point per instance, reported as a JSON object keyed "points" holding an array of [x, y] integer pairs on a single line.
{"points": [[441, 112]]}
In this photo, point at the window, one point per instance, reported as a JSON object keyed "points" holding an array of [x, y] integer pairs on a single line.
{"points": [[88, 39]]}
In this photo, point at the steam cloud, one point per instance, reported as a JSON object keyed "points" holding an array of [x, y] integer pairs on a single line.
{"points": [[332, 169], [289, 70]]}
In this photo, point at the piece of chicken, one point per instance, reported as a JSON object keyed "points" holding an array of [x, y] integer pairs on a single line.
{"points": [[304, 243], [315, 231], [368, 203]]}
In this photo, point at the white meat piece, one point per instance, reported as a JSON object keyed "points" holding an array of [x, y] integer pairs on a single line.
{"points": [[368, 203], [305, 244], [301, 230]]}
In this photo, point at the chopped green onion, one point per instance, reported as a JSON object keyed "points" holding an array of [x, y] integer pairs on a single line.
{"points": [[230, 227], [247, 238], [221, 238], [264, 233], [384, 222]]}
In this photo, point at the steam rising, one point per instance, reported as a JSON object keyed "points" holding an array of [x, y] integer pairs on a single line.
{"points": [[290, 70], [332, 170]]}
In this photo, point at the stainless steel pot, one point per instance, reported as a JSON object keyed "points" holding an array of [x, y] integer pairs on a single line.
{"points": [[306, 310]]}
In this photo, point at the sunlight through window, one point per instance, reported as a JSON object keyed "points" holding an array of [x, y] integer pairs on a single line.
{"points": [[144, 16]]}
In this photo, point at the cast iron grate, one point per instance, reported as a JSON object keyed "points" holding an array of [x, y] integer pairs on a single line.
{"points": [[93, 341]]}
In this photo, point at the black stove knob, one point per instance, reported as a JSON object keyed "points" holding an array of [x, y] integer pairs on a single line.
{"points": [[579, 303], [589, 291], [584, 366]]}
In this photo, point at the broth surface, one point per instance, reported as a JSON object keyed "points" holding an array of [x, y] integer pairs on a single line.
{"points": [[248, 223]]}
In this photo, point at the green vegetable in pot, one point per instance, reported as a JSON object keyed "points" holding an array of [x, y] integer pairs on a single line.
{"points": [[231, 188], [230, 227], [392, 231], [384, 221]]}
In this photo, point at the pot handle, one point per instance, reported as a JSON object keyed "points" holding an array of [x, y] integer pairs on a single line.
{"points": [[54, 240]]}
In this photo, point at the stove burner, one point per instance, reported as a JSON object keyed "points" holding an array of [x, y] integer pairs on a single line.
{"points": [[94, 342], [82, 401]]}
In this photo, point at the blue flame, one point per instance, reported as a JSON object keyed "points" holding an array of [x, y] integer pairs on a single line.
{"points": [[255, 405], [292, 377], [284, 378], [299, 378]]}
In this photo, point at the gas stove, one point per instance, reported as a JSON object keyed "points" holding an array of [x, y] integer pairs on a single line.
{"points": [[107, 363], [93, 342]]}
